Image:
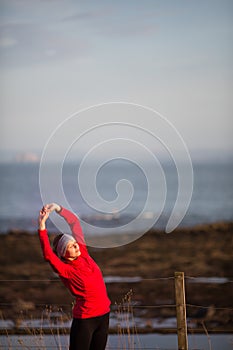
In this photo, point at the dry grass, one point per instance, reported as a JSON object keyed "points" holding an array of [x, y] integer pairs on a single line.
{"points": [[201, 251]]}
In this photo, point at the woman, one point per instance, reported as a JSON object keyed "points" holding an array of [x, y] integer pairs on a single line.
{"points": [[82, 276]]}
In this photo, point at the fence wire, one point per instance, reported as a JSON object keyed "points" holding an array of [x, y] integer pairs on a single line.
{"points": [[132, 305]]}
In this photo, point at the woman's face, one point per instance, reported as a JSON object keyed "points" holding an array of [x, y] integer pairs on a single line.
{"points": [[72, 250]]}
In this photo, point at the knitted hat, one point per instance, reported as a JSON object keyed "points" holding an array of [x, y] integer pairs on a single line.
{"points": [[62, 244]]}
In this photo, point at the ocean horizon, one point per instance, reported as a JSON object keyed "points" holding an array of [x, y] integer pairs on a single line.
{"points": [[212, 198]]}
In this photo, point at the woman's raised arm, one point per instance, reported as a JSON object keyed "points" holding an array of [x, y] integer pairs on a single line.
{"points": [[71, 219]]}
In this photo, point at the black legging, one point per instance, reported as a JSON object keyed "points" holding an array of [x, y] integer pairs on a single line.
{"points": [[89, 333]]}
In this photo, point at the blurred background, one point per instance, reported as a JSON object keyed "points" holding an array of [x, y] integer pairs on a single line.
{"points": [[58, 57]]}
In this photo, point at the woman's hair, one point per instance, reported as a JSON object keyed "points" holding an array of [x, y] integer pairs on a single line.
{"points": [[56, 241]]}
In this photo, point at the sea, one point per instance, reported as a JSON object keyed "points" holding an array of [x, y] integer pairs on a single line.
{"points": [[119, 185]]}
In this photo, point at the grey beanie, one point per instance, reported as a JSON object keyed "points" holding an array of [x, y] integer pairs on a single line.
{"points": [[62, 244]]}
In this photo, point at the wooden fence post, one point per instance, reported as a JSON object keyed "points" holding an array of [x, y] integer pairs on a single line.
{"points": [[181, 311]]}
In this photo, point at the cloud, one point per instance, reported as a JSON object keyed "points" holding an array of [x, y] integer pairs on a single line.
{"points": [[132, 30], [32, 37], [112, 21], [6, 42], [31, 43], [85, 15]]}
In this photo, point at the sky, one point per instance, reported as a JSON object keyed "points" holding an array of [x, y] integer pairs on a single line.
{"points": [[58, 57]]}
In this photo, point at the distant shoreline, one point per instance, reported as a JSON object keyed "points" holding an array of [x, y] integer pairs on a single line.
{"points": [[204, 227], [183, 227]]}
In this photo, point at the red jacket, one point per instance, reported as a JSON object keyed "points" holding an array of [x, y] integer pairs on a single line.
{"points": [[81, 276]]}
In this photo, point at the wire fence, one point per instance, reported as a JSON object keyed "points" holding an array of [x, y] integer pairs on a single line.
{"points": [[187, 278], [126, 325]]}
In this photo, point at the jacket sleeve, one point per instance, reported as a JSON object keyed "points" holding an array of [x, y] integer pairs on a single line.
{"points": [[76, 229], [58, 266]]}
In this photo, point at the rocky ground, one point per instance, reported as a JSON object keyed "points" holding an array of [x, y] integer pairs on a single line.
{"points": [[28, 285]]}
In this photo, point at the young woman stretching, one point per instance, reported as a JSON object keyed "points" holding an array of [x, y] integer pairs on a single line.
{"points": [[82, 276]]}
